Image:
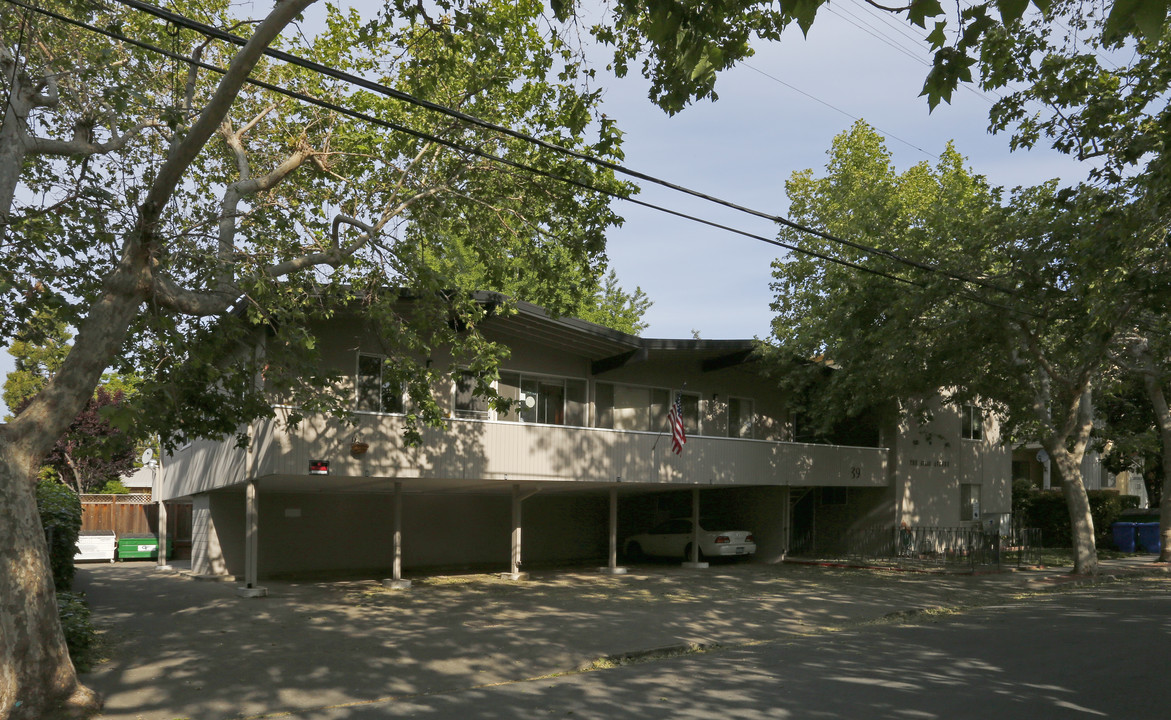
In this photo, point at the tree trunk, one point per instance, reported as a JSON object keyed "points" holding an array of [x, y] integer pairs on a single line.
{"points": [[1081, 521], [37, 678]]}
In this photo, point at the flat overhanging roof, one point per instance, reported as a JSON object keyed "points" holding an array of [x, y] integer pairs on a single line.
{"points": [[599, 343]]}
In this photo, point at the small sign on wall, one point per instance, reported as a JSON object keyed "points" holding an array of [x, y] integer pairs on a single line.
{"points": [[318, 467]]}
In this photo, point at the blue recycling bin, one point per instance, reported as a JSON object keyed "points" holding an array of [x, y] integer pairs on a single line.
{"points": [[1147, 535], [1125, 534]]}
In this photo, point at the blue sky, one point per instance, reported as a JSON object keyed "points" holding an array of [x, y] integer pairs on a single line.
{"points": [[744, 146]]}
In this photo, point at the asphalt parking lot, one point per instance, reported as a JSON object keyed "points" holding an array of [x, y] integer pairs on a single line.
{"points": [[178, 647]]}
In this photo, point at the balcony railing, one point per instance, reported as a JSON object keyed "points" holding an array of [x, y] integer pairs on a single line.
{"points": [[486, 450]]}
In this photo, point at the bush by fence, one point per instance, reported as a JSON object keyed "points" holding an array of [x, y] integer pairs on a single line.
{"points": [[1047, 511], [80, 636], [60, 511]]}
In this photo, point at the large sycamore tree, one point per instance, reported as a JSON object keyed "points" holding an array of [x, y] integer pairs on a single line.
{"points": [[1016, 304], [1090, 78], [167, 206]]}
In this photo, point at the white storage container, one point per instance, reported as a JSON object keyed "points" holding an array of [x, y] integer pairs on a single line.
{"points": [[96, 545]]}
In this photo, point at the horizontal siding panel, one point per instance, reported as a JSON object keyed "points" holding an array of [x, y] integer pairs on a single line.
{"points": [[502, 451], [201, 466], [471, 450]]}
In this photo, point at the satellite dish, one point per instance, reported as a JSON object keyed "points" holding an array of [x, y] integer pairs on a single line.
{"points": [[147, 456], [530, 402]]}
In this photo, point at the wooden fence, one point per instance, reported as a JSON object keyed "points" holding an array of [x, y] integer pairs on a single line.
{"points": [[136, 514]]}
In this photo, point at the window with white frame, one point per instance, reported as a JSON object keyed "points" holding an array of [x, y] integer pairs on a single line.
{"points": [[542, 399], [741, 416], [972, 422], [378, 390]]}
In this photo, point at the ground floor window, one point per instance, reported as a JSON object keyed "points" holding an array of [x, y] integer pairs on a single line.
{"points": [[1022, 470]]}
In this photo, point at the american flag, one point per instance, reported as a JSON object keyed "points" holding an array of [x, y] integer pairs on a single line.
{"points": [[675, 420]]}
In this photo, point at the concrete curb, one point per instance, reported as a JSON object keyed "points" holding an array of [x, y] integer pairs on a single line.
{"points": [[666, 651]]}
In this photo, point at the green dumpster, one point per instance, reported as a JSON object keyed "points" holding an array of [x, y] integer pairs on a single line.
{"points": [[144, 546]]}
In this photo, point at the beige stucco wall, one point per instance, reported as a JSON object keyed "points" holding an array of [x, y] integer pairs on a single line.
{"points": [[764, 512], [932, 461], [305, 532], [917, 480]]}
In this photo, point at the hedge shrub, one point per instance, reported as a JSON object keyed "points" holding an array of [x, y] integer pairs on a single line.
{"points": [[1047, 510], [61, 517], [78, 628]]}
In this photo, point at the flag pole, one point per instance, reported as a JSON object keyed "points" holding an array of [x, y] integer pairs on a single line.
{"points": [[678, 397]]}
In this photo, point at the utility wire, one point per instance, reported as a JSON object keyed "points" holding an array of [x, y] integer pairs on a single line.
{"points": [[613, 167], [835, 108], [889, 19], [333, 107], [869, 29], [390, 125]]}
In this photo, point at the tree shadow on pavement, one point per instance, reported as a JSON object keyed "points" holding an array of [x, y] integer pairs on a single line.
{"points": [[185, 648]]}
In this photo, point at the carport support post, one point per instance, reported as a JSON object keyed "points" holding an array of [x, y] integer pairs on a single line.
{"points": [[787, 522], [251, 544], [693, 561], [612, 567], [396, 581], [398, 531], [514, 572], [163, 536]]}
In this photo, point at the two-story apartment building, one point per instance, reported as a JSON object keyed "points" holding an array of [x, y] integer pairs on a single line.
{"points": [[584, 460]]}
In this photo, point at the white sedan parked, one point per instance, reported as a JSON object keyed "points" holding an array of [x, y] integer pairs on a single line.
{"points": [[673, 539]]}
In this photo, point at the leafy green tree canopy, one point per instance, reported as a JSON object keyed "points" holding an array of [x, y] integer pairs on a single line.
{"points": [[191, 214], [615, 308], [1017, 304], [38, 351]]}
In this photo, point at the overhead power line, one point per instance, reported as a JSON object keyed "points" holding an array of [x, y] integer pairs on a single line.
{"points": [[388, 91], [868, 28], [333, 107], [835, 108]]}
